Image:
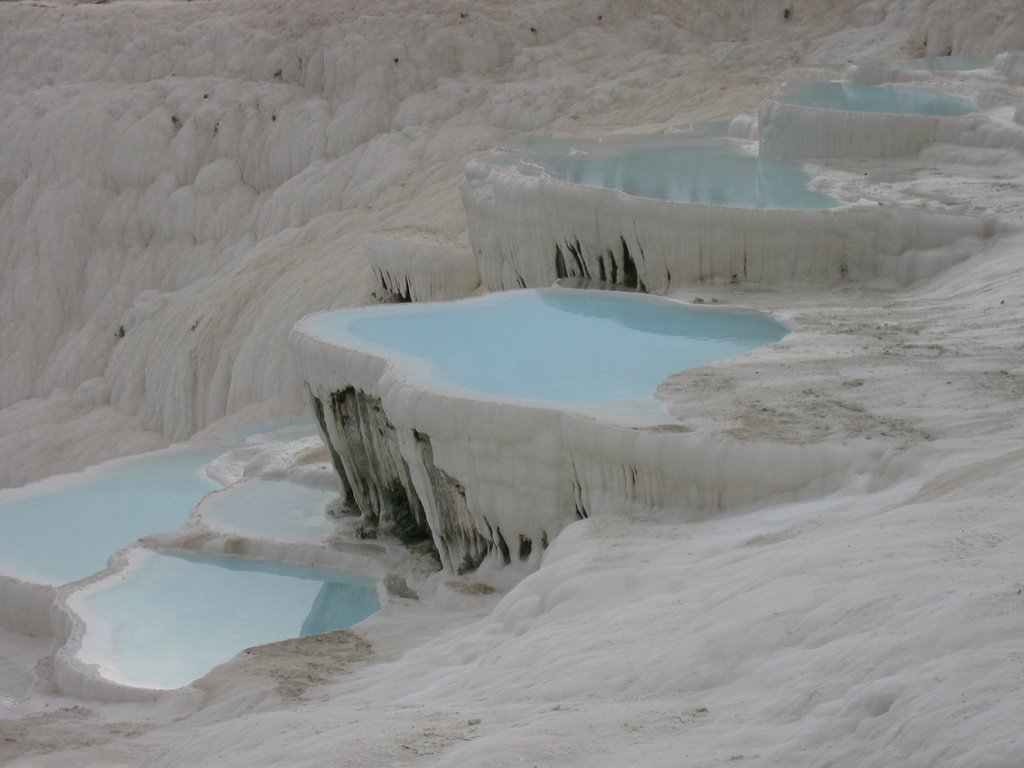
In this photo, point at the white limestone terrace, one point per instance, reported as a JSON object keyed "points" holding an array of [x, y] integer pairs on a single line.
{"points": [[743, 220], [421, 263], [506, 418], [877, 625], [837, 119], [308, 572]]}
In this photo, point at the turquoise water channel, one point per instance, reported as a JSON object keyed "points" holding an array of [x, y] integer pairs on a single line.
{"points": [[874, 98], [707, 172], [562, 346], [170, 618]]}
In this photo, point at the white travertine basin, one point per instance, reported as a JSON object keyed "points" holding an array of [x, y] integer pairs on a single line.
{"points": [[498, 461], [819, 120]]}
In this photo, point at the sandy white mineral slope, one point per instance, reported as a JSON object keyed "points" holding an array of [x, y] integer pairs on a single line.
{"points": [[201, 174]]}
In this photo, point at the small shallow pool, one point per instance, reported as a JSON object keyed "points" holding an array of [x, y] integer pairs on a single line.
{"points": [[556, 345], [168, 619], [852, 97], [707, 172], [271, 509]]}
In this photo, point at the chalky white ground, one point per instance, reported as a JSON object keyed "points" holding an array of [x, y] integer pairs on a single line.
{"points": [[202, 174]]}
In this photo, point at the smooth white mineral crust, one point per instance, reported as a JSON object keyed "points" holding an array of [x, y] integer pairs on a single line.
{"points": [[525, 226], [421, 264]]}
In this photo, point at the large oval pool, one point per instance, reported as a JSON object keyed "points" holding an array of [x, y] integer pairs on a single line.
{"points": [[558, 345]]}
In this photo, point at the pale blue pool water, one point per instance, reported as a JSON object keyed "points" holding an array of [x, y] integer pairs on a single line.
{"points": [[566, 346], [62, 535], [173, 617], [873, 98], [68, 528], [271, 509], [706, 172]]}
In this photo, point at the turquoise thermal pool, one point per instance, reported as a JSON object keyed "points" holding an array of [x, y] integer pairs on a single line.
{"points": [[65, 533], [706, 172], [852, 97], [170, 618], [66, 528], [565, 346]]}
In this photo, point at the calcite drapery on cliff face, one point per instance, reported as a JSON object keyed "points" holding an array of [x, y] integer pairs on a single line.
{"points": [[367, 456]]}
